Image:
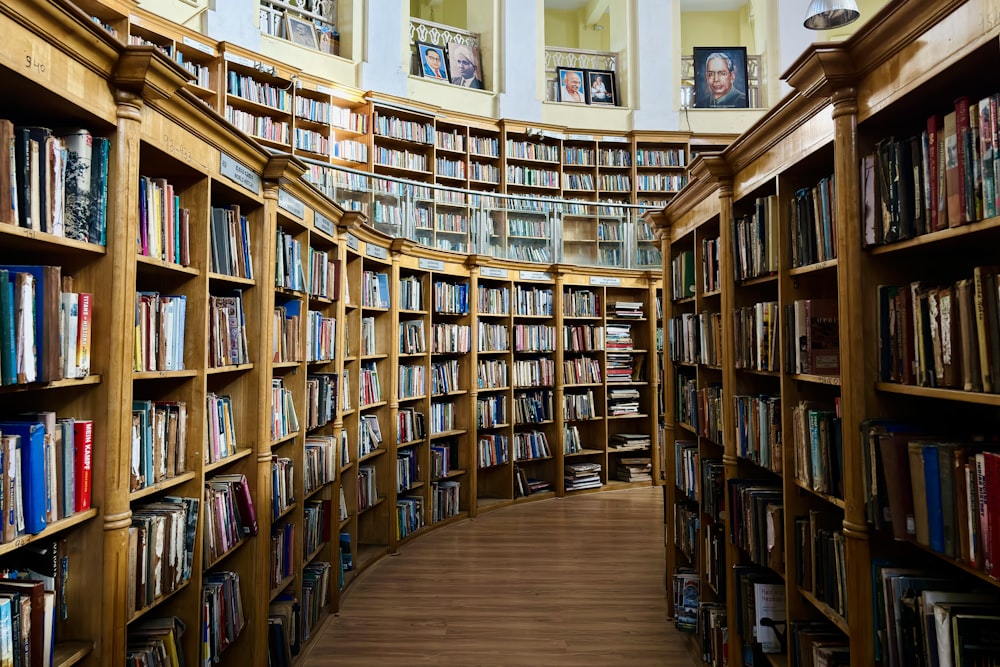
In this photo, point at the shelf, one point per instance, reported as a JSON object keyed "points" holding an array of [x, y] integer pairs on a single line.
{"points": [[409, 489], [156, 265], [370, 406], [827, 611], [55, 384], [833, 380], [410, 443], [225, 461], [162, 485], [943, 394], [238, 368], [286, 438], [408, 399], [452, 474], [139, 613], [50, 530], [585, 452], [378, 501], [276, 591], [833, 500], [15, 237], [760, 280], [221, 557], [970, 229], [231, 280], [447, 434], [372, 454], [812, 268], [280, 365], [491, 427], [70, 653], [486, 390]]}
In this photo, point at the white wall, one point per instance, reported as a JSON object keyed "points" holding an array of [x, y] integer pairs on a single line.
{"points": [[655, 77], [522, 42], [387, 25]]}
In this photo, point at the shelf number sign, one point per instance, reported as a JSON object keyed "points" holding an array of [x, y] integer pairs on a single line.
{"points": [[34, 64]]}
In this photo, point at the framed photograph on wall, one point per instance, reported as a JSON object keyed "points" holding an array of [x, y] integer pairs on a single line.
{"points": [[300, 31], [720, 75], [571, 85], [432, 61], [464, 65], [600, 87]]}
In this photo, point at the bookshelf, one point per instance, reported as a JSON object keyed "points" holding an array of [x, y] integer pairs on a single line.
{"points": [[492, 310], [536, 433], [402, 142], [258, 96]]}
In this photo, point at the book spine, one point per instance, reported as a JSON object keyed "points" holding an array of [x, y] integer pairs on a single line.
{"points": [[84, 443]]}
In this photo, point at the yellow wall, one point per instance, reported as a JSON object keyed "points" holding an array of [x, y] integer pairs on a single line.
{"points": [[710, 29], [447, 12], [562, 28]]}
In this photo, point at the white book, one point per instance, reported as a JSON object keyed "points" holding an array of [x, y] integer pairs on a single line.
{"points": [[71, 321]]}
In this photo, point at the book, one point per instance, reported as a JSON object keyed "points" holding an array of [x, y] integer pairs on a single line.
{"points": [[32, 471]]}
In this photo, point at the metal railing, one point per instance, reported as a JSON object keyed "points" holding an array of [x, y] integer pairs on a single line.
{"points": [[321, 13], [515, 227]]}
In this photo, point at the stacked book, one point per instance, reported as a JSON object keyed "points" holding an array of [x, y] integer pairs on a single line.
{"points": [[637, 469], [626, 309], [582, 475], [629, 442], [623, 401]]}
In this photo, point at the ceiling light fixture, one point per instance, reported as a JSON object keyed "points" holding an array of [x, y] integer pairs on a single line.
{"points": [[828, 14]]}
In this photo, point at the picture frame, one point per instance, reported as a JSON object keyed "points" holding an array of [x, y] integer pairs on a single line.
{"points": [[465, 65], [720, 74], [329, 40], [601, 87], [300, 31], [575, 93], [433, 62]]}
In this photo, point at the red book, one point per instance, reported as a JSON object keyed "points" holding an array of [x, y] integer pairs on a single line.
{"points": [[962, 131], [934, 125], [83, 443]]}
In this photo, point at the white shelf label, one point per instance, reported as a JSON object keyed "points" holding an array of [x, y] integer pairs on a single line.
{"points": [[291, 204], [579, 137], [326, 90], [239, 60], [616, 140], [431, 264], [323, 223], [376, 252], [535, 275], [492, 272], [195, 44], [352, 242], [239, 173], [605, 281]]}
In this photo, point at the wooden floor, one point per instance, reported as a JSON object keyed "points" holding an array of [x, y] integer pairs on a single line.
{"points": [[563, 582]]}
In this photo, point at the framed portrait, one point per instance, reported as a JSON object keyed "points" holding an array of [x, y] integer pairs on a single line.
{"points": [[600, 87], [433, 64], [571, 85], [720, 75], [329, 40], [300, 31], [465, 66]]}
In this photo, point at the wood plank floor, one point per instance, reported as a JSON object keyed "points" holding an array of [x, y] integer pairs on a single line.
{"points": [[563, 582]]}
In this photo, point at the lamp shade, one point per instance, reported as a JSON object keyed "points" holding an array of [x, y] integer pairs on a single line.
{"points": [[827, 14]]}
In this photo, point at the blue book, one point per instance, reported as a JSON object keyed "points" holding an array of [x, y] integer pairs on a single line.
{"points": [[8, 343], [48, 295], [33, 487], [932, 487]]}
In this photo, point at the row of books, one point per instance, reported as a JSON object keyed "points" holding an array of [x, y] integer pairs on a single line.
{"points": [[45, 326], [942, 336], [54, 181]]}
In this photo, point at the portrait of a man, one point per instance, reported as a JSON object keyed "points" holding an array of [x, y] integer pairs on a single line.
{"points": [[463, 61], [300, 31], [432, 63], [571, 86], [720, 78]]}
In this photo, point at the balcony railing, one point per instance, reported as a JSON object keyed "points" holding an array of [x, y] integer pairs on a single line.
{"points": [[321, 13], [556, 57], [521, 228]]}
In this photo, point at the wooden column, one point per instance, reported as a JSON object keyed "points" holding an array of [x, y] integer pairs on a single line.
{"points": [[856, 382], [141, 75]]}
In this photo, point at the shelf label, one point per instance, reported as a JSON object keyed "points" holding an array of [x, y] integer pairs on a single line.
{"points": [[195, 44], [551, 135], [605, 281], [323, 223], [239, 173], [616, 140], [535, 275], [291, 204], [352, 242], [492, 272], [326, 90], [431, 264], [239, 60], [376, 252], [579, 137]]}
